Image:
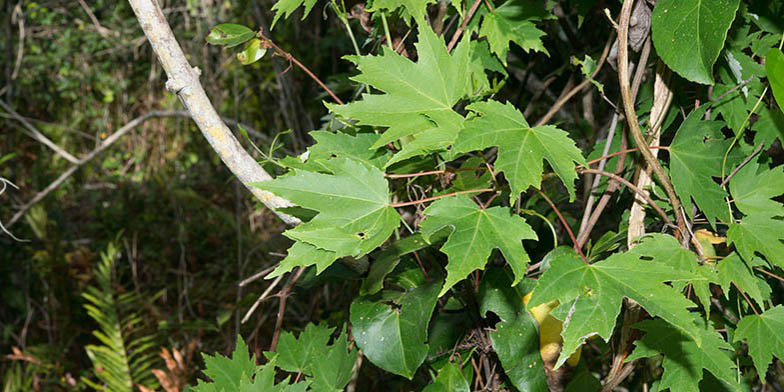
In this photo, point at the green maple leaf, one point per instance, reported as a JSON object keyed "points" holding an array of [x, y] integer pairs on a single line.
{"points": [[753, 190], [295, 354], [684, 361], [414, 8], [354, 215], [762, 333], [593, 293], [732, 270], [513, 21], [227, 373], [265, 381], [666, 249], [475, 233], [521, 149], [694, 163], [758, 233], [302, 254], [286, 7], [419, 97]]}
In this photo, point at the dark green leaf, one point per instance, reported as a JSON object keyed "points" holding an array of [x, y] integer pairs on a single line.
{"points": [[688, 35], [521, 149], [516, 337], [475, 233], [774, 67], [762, 333], [683, 359], [695, 158], [230, 35], [593, 294], [758, 233], [394, 338]]}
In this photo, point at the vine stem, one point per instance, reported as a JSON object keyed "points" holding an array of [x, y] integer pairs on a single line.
{"points": [[463, 25], [634, 188], [268, 42], [566, 226], [628, 150], [634, 126], [411, 203], [386, 30]]}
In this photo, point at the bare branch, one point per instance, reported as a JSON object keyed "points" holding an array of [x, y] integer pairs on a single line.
{"points": [[37, 135]]}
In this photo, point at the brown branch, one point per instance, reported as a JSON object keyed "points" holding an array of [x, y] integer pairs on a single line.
{"points": [[284, 295], [631, 118], [459, 32], [742, 164], [565, 225], [38, 135], [628, 150], [183, 81], [631, 186], [266, 42]]}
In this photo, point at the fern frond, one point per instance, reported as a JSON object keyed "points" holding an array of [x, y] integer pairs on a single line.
{"points": [[126, 354]]}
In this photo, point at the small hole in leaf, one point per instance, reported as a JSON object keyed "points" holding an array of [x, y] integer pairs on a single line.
{"points": [[449, 147], [361, 235], [333, 156]]}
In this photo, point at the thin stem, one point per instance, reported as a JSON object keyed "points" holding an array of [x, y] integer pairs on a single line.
{"points": [[463, 25], [631, 118], [418, 174], [296, 62], [751, 305], [386, 29], [566, 226], [740, 133], [631, 186], [628, 150], [411, 203], [742, 164], [772, 275]]}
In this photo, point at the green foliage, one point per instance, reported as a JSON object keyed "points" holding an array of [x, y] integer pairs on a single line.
{"points": [[763, 334], [515, 338], [774, 68], [353, 204], [394, 335], [521, 148], [127, 354], [593, 293], [475, 232], [684, 360], [513, 21], [689, 35], [419, 96], [326, 368]]}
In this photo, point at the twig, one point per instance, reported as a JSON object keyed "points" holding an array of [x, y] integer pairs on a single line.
{"points": [[459, 32], [562, 101], [104, 145], [268, 42], [103, 31], [597, 212], [742, 164], [631, 118], [566, 226], [625, 151], [751, 305], [595, 184], [284, 295], [37, 135], [732, 90], [631, 186], [2, 228], [261, 298], [256, 276], [772, 275], [411, 203]]}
